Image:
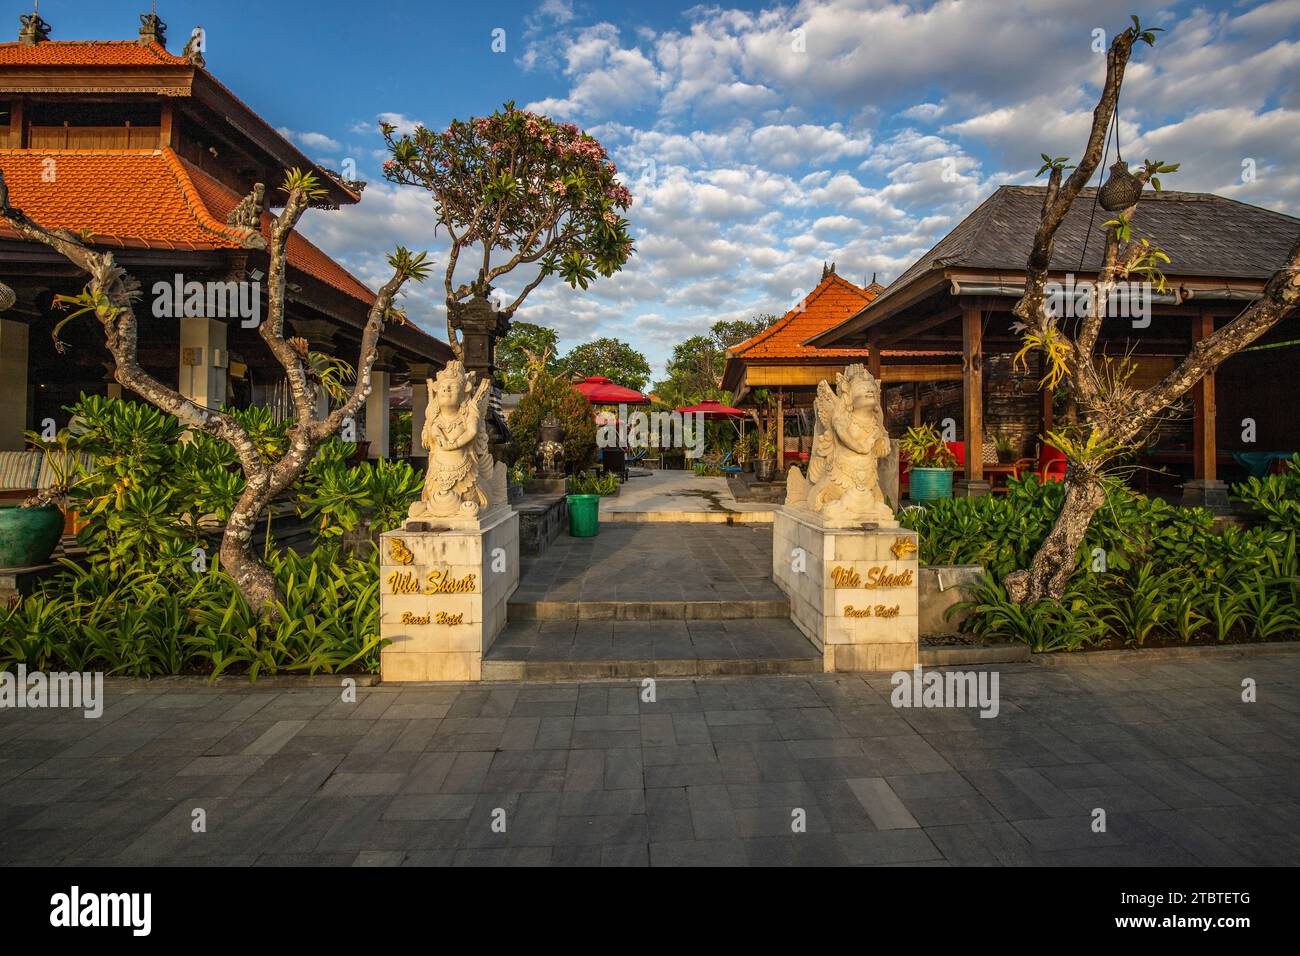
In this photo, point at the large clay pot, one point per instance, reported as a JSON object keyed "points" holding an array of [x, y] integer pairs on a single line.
{"points": [[28, 536], [765, 469]]}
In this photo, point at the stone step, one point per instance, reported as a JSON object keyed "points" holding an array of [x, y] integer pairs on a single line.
{"points": [[686, 517], [721, 610], [593, 650]]}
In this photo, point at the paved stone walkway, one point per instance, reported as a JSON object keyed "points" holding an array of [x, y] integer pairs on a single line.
{"points": [[655, 562], [712, 772]]}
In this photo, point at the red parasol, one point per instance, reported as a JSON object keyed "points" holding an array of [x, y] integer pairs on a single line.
{"points": [[714, 409], [601, 391]]}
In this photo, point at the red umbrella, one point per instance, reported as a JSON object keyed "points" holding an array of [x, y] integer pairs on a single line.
{"points": [[601, 391], [714, 409]]}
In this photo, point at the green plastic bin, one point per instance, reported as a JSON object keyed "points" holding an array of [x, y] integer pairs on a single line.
{"points": [[584, 516]]}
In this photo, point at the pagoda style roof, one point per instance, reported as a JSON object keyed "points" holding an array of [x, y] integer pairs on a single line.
{"points": [[135, 67]]}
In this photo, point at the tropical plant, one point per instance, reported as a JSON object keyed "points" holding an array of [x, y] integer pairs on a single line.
{"points": [[541, 193], [593, 483], [924, 447], [111, 296]]}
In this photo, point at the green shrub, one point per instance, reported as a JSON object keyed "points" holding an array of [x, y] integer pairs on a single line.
{"points": [[593, 483], [1146, 569], [169, 620], [552, 394]]}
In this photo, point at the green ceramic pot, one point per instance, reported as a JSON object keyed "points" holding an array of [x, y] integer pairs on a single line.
{"points": [[930, 484], [28, 536]]}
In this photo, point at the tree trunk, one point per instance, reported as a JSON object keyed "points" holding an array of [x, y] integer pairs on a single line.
{"points": [[1058, 555]]}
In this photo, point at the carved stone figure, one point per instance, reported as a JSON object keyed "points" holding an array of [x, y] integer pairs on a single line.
{"points": [[248, 214], [843, 484], [463, 480]]}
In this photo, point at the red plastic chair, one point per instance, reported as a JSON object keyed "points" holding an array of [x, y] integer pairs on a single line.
{"points": [[1050, 465]]}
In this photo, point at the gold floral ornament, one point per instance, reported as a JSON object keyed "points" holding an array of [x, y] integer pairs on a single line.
{"points": [[903, 547], [400, 552]]}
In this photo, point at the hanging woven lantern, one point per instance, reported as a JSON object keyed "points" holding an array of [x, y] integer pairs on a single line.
{"points": [[7, 298], [1121, 190]]}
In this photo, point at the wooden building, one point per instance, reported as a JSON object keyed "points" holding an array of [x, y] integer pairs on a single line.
{"points": [[959, 295], [148, 154], [784, 363]]}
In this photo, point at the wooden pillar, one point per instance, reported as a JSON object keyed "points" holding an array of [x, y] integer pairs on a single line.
{"points": [[165, 126], [1047, 413], [873, 360], [916, 404], [16, 126], [1205, 449], [972, 391], [780, 431]]}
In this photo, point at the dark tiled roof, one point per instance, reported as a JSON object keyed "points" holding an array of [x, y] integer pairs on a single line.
{"points": [[1204, 235]]}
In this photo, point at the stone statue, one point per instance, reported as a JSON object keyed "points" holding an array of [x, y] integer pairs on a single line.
{"points": [[843, 484], [463, 480]]}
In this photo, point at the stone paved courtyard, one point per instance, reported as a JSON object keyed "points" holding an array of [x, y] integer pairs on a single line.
{"points": [[710, 773]]}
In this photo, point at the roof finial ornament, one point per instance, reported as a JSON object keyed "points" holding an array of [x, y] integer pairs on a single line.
{"points": [[34, 29], [825, 272], [194, 48], [248, 214], [152, 28], [832, 272], [873, 278]]}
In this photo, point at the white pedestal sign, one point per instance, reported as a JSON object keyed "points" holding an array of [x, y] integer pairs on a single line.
{"points": [[443, 594], [853, 591]]}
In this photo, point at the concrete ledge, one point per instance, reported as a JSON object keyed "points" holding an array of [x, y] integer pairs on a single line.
{"points": [[1129, 655], [955, 656]]}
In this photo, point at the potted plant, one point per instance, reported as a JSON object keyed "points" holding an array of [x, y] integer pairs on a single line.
{"points": [[765, 465], [930, 463], [30, 531], [1006, 448]]}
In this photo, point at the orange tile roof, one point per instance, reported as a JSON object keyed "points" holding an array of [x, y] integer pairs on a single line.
{"points": [[141, 198], [833, 301], [146, 198], [302, 254], [88, 53]]}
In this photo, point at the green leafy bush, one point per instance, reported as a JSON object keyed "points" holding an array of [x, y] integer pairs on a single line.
{"points": [[1146, 570], [169, 620], [555, 395]]}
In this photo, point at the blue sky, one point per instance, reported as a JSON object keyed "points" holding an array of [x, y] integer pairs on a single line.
{"points": [[759, 139]]}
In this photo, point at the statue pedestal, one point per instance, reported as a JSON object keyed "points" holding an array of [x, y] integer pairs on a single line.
{"points": [[443, 594], [853, 591]]}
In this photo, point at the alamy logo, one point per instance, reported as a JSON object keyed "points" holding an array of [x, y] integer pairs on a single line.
{"points": [[946, 689], [19, 689], [1074, 300], [74, 908], [208, 300], [654, 430]]}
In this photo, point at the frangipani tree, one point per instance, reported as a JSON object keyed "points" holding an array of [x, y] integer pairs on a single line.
{"points": [[516, 190], [110, 297], [1114, 415]]}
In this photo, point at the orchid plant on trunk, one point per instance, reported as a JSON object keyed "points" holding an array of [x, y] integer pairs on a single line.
{"points": [[1114, 415], [111, 296], [516, 190]]}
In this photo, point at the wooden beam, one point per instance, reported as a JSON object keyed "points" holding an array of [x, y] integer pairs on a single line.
{"points": [[780, 431], [1204, 439], [873, 362], [795, 376], [165, 126], [972, 392], [915, 329]]}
